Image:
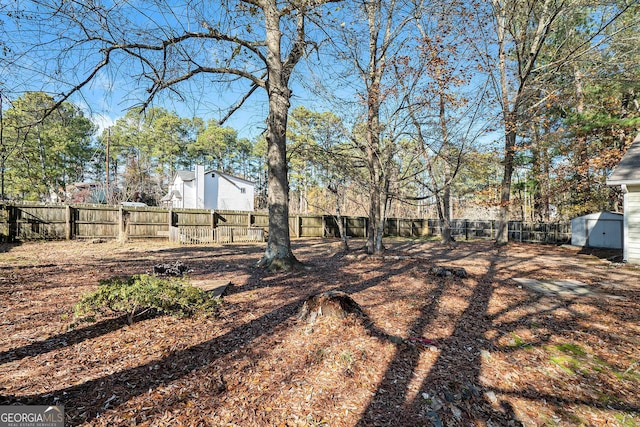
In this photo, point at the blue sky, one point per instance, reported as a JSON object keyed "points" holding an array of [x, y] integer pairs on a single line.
{"points": [[47, 67], [106, 104], [112, 92]]}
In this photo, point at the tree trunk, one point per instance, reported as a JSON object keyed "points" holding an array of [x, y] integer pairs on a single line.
{"points": [[3, 150], [374, 203], [373, 164], [502, 232], [540, 175], [445, 216], [339, 219], [382, 204], [376, 67], [278, 254], [445, 210], [505, 20], [581, 150], [502, 236]]}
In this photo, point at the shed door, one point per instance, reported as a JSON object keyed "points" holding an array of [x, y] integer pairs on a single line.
{"points": [[604, 233]]}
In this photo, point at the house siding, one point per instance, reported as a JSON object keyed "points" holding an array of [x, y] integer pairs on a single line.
{"points": [[211, 190], [230, 196], [632, 224], [188, 194]]}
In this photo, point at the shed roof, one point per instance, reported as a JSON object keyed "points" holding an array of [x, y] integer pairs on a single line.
{"points": [[605, 215], [628, 170], [171, 195]]}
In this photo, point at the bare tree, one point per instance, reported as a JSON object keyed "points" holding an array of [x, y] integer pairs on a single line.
{"points": [[175, 47], [372, 35], [442, 73]]}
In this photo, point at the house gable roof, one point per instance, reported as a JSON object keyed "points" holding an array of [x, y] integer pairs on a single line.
{"points": [[171, 195], [628, 170], [229, 177], [185, 175]]}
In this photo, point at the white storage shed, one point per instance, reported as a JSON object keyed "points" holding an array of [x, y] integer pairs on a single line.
{"points": [[627, 175], [598, 230]]}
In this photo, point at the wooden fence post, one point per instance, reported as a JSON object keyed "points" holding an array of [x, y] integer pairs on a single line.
{"points": [[174, 232], [214, 219], [4, 224], [521, 230], [123, 224], [13, 224], [69, 222]]}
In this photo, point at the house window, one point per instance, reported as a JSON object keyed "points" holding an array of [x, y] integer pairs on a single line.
{"points": [[213, 175], [243, 190]]}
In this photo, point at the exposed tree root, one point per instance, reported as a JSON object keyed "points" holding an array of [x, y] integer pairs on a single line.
{"points": [[280, 264]]}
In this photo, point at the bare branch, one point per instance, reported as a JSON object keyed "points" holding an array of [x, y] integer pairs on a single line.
{"points": [[239, 104]]}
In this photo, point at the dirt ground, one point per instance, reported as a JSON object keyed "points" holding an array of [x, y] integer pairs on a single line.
{"points": [[481, 350]]}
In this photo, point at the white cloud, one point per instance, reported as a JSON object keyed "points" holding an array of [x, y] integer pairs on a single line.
{"points": [[102, 121]]}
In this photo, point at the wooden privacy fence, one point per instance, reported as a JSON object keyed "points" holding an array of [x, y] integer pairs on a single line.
{"points": [[224, 234], [33, 221], [519, 231]]}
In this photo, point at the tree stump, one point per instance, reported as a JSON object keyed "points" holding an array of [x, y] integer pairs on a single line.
{"points": [[449, 271], [329, 304]]}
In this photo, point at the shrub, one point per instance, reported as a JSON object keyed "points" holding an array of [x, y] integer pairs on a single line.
{"points": [[141, 293]]}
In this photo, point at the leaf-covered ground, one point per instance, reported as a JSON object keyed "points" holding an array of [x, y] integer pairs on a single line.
{"points": [[443, 351]]}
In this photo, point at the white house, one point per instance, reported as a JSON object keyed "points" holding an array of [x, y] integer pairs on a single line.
{"points": [[627, 174], [209, 190]]}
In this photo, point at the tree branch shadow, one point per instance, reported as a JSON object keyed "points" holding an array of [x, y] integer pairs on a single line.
{"points": [[94, 395], [451, 393], [72, 337]]}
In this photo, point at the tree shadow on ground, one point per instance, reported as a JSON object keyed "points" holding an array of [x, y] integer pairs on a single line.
{"points": [[6, 247], [454, 392], [140, 379], [85, 401], [614, 255], [72, 337], [451, 393]]}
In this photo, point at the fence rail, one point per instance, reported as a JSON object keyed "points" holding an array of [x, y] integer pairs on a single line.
{"points": [[33, 221]]}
